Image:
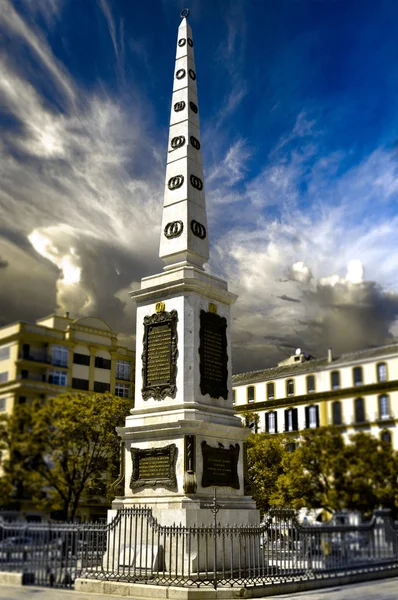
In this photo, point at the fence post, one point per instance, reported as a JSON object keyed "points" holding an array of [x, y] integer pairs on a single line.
{"points": [[214, 507]]}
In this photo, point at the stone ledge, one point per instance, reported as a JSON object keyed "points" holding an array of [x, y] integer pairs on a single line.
{"points": [[9, 578], [139, 591]]}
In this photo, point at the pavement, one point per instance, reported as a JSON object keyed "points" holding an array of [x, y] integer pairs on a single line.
{"points": [[383, 589]]}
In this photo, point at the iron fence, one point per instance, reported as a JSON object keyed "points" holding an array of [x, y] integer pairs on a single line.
{"points": [[135, 547]]}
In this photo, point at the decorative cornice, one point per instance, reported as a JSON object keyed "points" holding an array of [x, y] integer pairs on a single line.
{"points": [[181, 286]]}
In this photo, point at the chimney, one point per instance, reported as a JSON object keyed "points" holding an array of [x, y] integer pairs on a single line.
{"points": [[330, 354]]}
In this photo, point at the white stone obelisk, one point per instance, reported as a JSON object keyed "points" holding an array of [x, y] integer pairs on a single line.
{"points": [[183, 426]]}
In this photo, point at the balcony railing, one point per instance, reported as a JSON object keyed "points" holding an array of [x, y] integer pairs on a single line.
{"points": [[35, 355], [33, 376], [43, 357]]}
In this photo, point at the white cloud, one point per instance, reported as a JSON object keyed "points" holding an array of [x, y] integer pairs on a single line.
{"points": [[295, 241], [10, 19]]}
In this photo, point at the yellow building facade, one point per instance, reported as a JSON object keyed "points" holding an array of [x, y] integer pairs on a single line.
{"points": [[356, 392], [58, 354]]}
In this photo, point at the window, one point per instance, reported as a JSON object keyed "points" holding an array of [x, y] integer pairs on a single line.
{"points": [[310, 384], [122, 390], [233, 396], [312, 416], [80, 384], [59, 356], [382, 372], [3, 403], [359, 407], [335, 379], [22, 400], [102, 363], [386, 437], [101, 387], [81, 359], [58, 377], [291, 420], [271, 422], [384, 407], [336, 413], [4, 352], [270, 391], [290, 387], [4, 377], [250, 393], [357, 373], [123, 369]]}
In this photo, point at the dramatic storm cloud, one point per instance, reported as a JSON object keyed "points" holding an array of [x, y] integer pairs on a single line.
{"points": [[299, 143]]}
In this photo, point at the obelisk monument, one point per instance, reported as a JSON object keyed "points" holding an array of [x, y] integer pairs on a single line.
{"points": [[182, 438]]}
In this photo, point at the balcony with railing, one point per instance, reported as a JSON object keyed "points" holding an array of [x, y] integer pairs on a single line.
{"points": [[35, 355], [32, 376]]}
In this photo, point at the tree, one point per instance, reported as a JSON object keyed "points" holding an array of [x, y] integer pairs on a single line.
{"points": [[252, 419], [314, 474], [371, 477], [323, 472], [264, 467], [61, 451]]}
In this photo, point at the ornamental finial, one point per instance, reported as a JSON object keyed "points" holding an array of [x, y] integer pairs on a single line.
{"points": [[184, 13]]}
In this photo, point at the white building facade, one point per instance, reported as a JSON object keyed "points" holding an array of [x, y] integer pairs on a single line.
{"points": [[355, 392]]}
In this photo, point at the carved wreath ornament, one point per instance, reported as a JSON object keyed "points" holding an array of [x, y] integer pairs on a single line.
{"points": [[179, 106], [175, 182], [173, 229]]}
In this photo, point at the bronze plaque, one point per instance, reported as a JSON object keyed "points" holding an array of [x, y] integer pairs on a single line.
{"points": [[213, 355], [220, 466], [154, 467], [159, 356]]}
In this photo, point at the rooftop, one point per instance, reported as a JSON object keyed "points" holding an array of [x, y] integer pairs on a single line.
{"points": [[313, 365]]}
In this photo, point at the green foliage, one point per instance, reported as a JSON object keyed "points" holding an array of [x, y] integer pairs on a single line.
{"points": [[323, 472], [62, 451], [264, 463], [252, 419]]}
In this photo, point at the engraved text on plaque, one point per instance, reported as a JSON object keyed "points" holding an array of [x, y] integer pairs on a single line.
{"points": [[154, 467], [213, 355], [159, 356], [220, 466]]}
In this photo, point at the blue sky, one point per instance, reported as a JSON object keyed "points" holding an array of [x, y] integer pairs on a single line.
{"points": [[298, 106]]}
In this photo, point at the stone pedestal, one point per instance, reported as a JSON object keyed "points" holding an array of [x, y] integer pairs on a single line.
{"points": [[181, 443]]}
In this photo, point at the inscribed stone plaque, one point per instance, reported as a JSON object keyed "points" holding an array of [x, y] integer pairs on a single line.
{"points": [[220, 466], [159, 356], [213, 355], [154, 467]]}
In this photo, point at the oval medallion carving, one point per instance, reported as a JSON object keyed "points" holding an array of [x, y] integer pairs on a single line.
{"points": [[177, 142], [179, 106], [176, 182], [198, 229], [196, 182], [194, 142], [173, 229]]}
